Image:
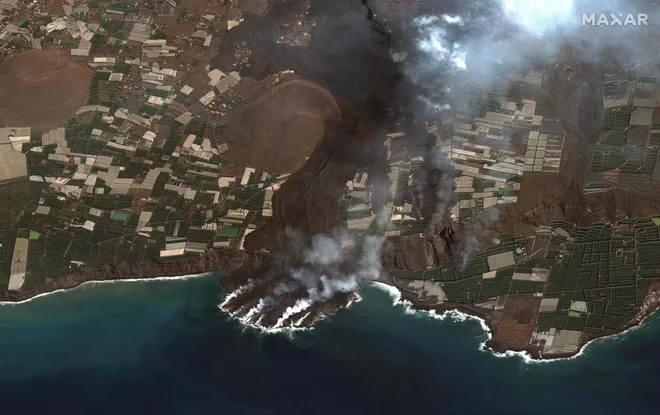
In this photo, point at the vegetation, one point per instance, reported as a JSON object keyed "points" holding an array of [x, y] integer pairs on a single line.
{"points": [[606, 159]]}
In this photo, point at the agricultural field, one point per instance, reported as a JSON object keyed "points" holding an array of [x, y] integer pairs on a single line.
{"points": [[626, 153], [606, 159], [42, 88], [598, 275]]}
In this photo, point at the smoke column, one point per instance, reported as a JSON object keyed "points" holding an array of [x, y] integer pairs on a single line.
{"points": [[443, 174], [323, 271]]}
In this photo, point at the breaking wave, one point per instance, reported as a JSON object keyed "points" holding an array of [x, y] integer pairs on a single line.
{"points": [[457, 316]]}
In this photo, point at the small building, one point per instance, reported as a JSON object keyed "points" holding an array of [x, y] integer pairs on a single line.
{"points": [[186, 90], [208, 98], [246, 175]]}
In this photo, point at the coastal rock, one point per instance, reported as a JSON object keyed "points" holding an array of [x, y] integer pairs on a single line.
{"points": [[210, 261]]}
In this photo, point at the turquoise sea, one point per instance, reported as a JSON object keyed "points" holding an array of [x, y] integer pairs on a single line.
{"points": [[163, 347]]}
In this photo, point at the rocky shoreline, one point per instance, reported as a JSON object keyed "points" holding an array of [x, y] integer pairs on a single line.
{"points": [[214, 260], [650, 306], [229, 260]]}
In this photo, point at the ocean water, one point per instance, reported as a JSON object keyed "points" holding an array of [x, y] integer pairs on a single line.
{"points": [[163, 347]]}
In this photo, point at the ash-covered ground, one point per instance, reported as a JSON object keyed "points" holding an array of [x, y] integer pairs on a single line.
{"points": [[398, 63], [311, 272]]}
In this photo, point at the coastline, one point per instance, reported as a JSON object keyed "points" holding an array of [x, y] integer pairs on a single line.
{"points": [[460, 313], [215, 260], [456, 312], [94, 282], [136, 339], [287, 330]]}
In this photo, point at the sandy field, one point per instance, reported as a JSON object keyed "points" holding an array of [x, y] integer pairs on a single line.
{"points": [[42, 89], [280, 129]]}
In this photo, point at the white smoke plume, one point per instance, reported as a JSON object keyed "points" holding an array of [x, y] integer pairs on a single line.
{"points": [[435, 40], [325, 250], [490, 37], [453, 19], [370, 261], [437, 108], [327, 270], [442, 168], [240, 290], [470, 241], [301, 305], [464, 51], [419, 181], [541, 16], [324, 270]]}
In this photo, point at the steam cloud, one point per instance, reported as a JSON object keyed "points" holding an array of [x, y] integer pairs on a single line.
{"points": [[419, 182], [446, 199], [435, 39], [323, 271], [465, 49], [323, 274], [488, 37], [541, 16], [470, 242]]}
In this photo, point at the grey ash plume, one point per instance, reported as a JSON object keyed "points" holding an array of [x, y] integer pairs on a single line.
{"points": [[471, 239], [463, 47], [440, 177], [349, 55], [315, 276], [311, 272], [419, 184], [326, 270], [490, 38]]}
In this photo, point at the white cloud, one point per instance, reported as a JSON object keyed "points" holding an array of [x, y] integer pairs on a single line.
{"points": [[540, 16]]}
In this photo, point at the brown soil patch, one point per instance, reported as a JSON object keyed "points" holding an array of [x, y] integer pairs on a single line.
{"points": [[42, 89], [55, 8], [641, 183], [278, 130], [516, 322], [175, 28], [545, 197], [232, 9]]}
